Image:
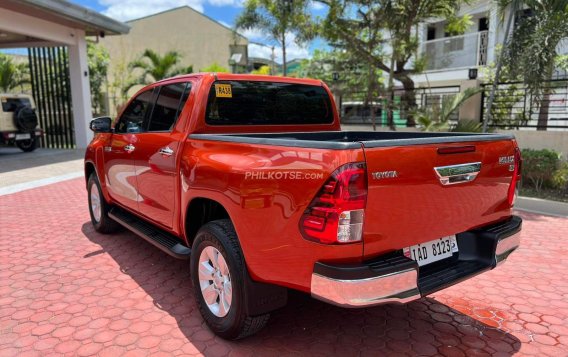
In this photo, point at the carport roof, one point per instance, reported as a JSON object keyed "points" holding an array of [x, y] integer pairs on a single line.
{"points": [[68, 14]]}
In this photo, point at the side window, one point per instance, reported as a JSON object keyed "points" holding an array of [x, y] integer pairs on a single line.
{"points": [[132, 118], [168, 106]]}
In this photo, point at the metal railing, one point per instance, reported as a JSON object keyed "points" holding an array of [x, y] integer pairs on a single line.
{"points": [[355, 110], [469, 50], [515, 108]]}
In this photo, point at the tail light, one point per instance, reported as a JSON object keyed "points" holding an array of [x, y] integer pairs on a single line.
{"points": [[515, 181], [335, 215]]}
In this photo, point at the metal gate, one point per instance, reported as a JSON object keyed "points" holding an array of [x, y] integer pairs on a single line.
{"points": [[354, 111], [514, 107], [49, 73]]}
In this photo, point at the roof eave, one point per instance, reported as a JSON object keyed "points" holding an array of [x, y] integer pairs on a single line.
{"points": [[95, 21]]}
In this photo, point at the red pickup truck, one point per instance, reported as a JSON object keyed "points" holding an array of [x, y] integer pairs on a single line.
{"points": [[252, 179]]}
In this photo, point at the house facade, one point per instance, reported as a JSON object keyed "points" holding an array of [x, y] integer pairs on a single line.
{"points": [[199, 39], [455, 63]]}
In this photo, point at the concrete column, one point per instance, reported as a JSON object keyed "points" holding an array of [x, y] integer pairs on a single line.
{"points": [[471, 108], [80, 90]]}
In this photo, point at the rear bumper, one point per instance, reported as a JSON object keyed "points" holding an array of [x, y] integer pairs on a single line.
{"points": [[11, 136], [395, 278]]}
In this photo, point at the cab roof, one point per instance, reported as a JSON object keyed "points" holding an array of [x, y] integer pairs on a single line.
{"points": [[247, 77]]}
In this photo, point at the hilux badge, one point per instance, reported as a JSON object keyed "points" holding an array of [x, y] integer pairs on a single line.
{"points": [[505, 160]]}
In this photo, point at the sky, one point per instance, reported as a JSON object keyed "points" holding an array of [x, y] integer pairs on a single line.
{"points": [[223, 11]]}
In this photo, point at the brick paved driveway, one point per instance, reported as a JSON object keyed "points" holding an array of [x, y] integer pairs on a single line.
{"points": [[65, 289]]}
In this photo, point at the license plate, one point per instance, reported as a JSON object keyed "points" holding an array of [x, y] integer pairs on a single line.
{"points": [[432, 251], [23, 136]]}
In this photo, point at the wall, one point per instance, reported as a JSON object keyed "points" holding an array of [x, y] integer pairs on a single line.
{"points": [[471, 108], [533, 139]]}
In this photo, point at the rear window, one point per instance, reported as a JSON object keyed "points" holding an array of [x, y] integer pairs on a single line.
{"points": [[267, 103], [10, 104]]}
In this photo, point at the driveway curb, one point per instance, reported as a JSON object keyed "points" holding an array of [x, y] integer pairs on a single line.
{"points": [[38, 183], [541, 206]]}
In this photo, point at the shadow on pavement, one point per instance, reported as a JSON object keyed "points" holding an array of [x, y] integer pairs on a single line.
{"points": [[305, 325], [12, 159]]}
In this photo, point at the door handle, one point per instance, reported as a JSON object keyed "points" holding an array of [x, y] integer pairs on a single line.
{"points": [[453, 174], [167, 151], [129, 148]]}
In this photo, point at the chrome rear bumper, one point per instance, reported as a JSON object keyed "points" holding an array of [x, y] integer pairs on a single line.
{"points": [[397, 287], [506, 246], [396, 279]]}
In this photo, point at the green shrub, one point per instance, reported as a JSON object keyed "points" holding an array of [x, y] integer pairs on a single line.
{"points": [[560, 177], [539, 167]]}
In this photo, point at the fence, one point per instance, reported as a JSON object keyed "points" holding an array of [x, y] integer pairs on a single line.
{"points": [[49, 72], [514, 107], [354, 109]]}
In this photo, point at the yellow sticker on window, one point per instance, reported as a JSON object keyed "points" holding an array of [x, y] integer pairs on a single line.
{"points": [[223, 91]]}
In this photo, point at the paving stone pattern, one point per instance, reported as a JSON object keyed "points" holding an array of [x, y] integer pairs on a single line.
{"points": [[66, 290]]}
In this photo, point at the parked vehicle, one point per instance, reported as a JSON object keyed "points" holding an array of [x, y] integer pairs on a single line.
{"points": [[252, 179], [356, 112], [19, 122]]}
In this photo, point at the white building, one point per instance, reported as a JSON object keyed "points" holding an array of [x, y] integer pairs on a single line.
{"points": [[454, 63], [49, 24]]}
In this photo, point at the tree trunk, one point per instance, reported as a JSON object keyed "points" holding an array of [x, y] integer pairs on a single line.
{"points": [[372, 112], [284, 65], [370, 90], [390, 94], [390, 114], [409, 99], [543, 110], [545, 102]]}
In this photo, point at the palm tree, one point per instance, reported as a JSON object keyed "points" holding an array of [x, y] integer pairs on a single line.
{"points": [[438, 118], [280, 20], [12, 75], [155, 67], [530, 51]]}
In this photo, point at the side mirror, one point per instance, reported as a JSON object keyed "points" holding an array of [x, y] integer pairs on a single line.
{"points": [[101, 125]]}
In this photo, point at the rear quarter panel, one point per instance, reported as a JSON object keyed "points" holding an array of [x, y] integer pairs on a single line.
{"points": [[265, 190]]}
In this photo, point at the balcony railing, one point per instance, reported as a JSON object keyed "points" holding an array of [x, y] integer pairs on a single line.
{"points": [[469, 50]]}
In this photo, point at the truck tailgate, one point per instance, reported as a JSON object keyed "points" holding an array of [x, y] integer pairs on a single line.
{"points": [[408, 204]]}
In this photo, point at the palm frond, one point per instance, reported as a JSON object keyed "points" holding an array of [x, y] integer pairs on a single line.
{"points": [[154, 67], [450, 104], [12, 75], [154, 57]]}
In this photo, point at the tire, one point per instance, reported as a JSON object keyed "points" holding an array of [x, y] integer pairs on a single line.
{"points": [[25, 118], [232, 323], [99, 212], [27, 145]]}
